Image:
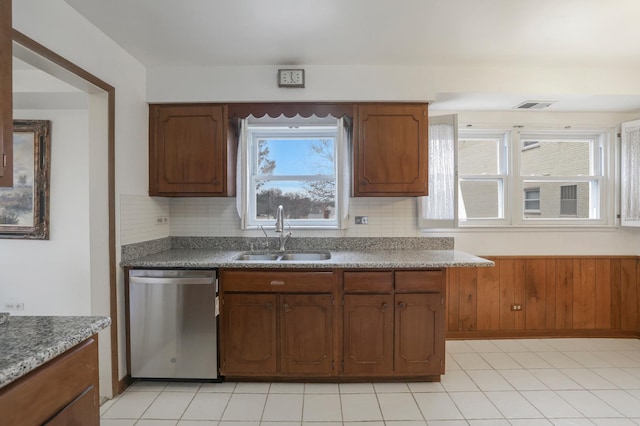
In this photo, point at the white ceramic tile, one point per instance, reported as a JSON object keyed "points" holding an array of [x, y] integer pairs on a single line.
{"points": [[457, 346], [197, 423], [399, 406], [321, 423], [322, 408], [450, 363], [500, 361], [529, 360], [252, 387], [425, 387], [182, 387], [286, 388], [278, 423], [356, 388], [559, 360], [437, 406], [117, 422], [235, 423], [535, 345], [635, 372], [169, 405], [617, 359], [588, 359], [483, 346], [321, 388], [634, 392], [156, 422], [573, 422], [489, 422], [106, 405], [530, 422], [621, 401], [510, 345], [147, 385], [457, 381], [283, 407], [207, 406], [359, 424], [225, 387], [130, 405], [614, 422], [554, 379], [360, 407], [587, 378], [447, 423], [245, 406], [475, 405], [390, 387], [550, 404], [618, 377], [522, 380], [588, 404], [512, 405], [489, 380], [405, 423], [471, 361]]}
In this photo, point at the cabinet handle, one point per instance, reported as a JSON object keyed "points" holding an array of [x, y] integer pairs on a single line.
{"points": [[277, 282], [385, 306], [364, 182], [268, 306], [286, 307], [402, 305]]}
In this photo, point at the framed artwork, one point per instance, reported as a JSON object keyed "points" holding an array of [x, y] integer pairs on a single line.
{"points": [[24, 208]]}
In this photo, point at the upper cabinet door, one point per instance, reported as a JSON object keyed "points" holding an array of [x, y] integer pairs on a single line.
{"points": [[391, 150], [630, 173], [188, 151], [6, 95]]}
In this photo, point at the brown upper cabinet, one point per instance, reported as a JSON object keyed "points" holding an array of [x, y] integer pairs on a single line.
{"points": [[390, 150], [6, 95], [191, 150]]}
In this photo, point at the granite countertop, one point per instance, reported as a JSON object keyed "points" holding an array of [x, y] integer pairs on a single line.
{"points": [[28, 342], [398, 258]]}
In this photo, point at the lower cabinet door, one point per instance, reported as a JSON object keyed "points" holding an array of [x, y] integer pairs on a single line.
{"points": [[419, 334], [306, 334], [250, 334], [368, 334]]}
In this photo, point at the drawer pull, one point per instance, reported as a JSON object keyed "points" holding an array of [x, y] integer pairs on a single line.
{"points": [[402, 305], [277, 282]]}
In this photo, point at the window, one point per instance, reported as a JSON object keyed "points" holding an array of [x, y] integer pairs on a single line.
{"points": [[293, 165], [524, 178], [532, 200], [482, 177], [569, 200]]}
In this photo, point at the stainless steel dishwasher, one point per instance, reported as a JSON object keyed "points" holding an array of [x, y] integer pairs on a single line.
{"points": [[173, 317]]}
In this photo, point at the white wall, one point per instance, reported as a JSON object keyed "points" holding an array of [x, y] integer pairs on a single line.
{"points": [[60, 28], [52, 277]]}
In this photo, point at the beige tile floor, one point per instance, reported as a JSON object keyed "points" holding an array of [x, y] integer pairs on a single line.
{"points": [[488, 382]]}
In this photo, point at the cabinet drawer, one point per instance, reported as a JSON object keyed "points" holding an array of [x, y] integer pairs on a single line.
{"points": [[277, 281], [368, 282], [421, 281]]}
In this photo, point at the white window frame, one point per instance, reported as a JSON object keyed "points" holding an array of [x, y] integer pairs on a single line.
{"points": [[294, 128]]}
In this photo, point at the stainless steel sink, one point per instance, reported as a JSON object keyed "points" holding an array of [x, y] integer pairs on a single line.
{"points": [[272, 257], [257, 256], [308, 256]]}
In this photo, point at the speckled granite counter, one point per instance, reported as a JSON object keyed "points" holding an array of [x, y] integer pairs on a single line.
{"points": [[28, 342], [212, 258]]}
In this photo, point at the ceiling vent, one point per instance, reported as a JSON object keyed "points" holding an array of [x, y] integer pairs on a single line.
{"points": [[534, 104]]}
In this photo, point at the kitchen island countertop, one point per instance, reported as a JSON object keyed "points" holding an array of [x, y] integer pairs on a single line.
{"points": [[399, 258], [27, 342]]}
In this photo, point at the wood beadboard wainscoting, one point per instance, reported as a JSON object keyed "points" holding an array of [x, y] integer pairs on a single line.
{"points": [[545, 296]]}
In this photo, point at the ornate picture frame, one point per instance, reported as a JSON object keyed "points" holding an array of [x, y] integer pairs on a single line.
{"points": [[24, 208]]}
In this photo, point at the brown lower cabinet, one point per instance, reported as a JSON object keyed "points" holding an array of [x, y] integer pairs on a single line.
{"points": [[64, 391], [287, 324]]}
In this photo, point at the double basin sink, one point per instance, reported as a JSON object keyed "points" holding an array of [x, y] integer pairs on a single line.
{"points": [[308, 256]]}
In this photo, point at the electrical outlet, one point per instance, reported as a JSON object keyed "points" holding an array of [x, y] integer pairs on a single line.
{"points": [[362, 220], [15, 306], [162, 220]]}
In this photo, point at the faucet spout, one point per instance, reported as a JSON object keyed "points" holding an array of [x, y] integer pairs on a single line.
{"points": [[284, 237]]}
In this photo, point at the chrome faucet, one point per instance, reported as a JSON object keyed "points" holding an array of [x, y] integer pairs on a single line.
{"points": [[284, 237]]}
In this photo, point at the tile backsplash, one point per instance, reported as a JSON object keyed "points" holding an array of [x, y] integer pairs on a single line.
{"points": [[214, 217]]}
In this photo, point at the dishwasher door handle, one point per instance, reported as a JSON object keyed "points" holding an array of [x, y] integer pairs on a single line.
{"points": [[171, 281]]}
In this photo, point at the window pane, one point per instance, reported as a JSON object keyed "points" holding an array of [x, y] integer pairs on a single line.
{"points": [[300, 199], [559, 200], [477, 156], [286, 157], [532, 200], [481, 199], [556, 158]]}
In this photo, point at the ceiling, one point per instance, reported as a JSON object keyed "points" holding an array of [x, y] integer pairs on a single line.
{"points": [[550, 33]]}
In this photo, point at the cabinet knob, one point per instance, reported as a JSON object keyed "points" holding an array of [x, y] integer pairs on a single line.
{"points": [[364, 182], [268, 306], [286, 307], [402, 305], [385, 306]]}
